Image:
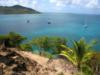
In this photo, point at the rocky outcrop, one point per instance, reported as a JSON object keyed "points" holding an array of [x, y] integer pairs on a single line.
{"points": [[14, 62], [61, 65]]}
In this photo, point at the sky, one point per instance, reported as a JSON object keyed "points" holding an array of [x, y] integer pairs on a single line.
{"points": [[69, 6]]}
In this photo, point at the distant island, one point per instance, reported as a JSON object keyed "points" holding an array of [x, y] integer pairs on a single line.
{"points": [[17, 9]]}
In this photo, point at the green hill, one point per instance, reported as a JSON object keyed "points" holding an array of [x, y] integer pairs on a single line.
{"points": [[17, 9]]}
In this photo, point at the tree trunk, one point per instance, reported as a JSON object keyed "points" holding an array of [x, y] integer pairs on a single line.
{"points": [[3, 45]]}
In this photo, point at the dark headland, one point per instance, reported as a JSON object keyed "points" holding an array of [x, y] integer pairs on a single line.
{"points": [[17, 9]]}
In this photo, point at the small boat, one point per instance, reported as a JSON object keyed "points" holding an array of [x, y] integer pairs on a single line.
{"points": [[49, 22], [28, 21], [85, 26]]}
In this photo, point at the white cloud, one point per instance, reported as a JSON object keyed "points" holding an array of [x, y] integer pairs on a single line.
{"points": [[33, 4], [92, 4], [60, 3], [28, 3], [55, 3], [80, 3], [65, 2], [22, 2], [8, 2], [76, 2]]}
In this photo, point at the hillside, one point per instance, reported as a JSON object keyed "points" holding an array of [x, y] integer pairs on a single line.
{"points": [[17, 9], [15, 62]]}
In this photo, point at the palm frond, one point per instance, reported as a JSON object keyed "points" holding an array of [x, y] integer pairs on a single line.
{"points": [[69, 57]]}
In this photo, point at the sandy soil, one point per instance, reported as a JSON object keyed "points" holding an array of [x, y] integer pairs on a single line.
{"points": [[40, 59]]}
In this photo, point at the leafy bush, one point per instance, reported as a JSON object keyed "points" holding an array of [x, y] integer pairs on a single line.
{"points": [[12, 39], [26, 47], [49, 43]]}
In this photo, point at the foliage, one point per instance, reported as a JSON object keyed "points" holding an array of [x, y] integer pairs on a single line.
{"points": [[41, 42], [56, 43], [80, 54], [49, 43], [12, 39], [83, 51], [86, 69], [95, 63], [69, 54], [26, 47]]}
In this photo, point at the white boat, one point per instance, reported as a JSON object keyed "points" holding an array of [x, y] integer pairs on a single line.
{"points": [[85, 25]]}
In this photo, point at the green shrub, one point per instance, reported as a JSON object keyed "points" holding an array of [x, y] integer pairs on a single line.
{"points": [[26, 47], [12, 39], [49, 43]]}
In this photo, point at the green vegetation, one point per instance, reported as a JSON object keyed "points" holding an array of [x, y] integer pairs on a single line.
{"points": [[17, 9], [51, 44], [11, 40], [94, 63], [26, 47], [81, 54]]}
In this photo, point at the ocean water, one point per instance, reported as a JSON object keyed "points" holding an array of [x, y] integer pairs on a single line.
{"points": [[71, 26]]}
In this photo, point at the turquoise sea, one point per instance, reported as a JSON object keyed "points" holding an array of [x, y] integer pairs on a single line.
{"points": [[71, 26]]}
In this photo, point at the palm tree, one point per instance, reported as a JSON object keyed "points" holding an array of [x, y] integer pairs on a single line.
{"points": [[80, 54]]}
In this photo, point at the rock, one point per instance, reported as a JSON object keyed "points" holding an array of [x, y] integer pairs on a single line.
{"points": [[61, 65], [16, 62]]}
